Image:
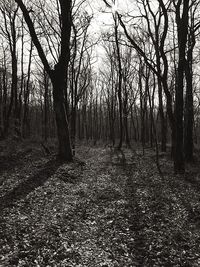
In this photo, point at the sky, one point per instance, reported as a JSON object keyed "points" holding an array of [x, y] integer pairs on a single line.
{"points": [[103, 20], [103, 15]]}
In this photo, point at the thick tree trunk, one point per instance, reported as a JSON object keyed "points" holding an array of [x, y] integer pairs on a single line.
{"points": [[189, 109], [189, 118], [170, 114], [179, 165], [58, 74], [1, 107], [64, 146], [182, 24]]}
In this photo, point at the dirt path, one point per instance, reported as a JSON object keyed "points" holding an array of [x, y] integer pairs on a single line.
{"points": [[114, 210]]}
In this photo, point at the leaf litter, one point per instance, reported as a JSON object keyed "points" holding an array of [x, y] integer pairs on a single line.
{"points": [[113, 210]]}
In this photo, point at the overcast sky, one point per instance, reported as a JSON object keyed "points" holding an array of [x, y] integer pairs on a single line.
{"points": [[103, 15], [103, 20]]}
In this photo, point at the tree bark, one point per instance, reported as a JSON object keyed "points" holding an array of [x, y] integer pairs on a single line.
{"points": [[25, 122], [182, 27], [64, 143], [189, 109], [58, 74], [119, 92]]}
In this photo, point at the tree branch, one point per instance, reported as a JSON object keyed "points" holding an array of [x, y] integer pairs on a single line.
{"points": [[34, 36]]}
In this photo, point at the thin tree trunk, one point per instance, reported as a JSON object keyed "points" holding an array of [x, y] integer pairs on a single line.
{"points": [[162, 118], [119, 93], [26, 123]]}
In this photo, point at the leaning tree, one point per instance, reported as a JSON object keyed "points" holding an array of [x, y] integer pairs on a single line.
{"points": [[57, 73]]}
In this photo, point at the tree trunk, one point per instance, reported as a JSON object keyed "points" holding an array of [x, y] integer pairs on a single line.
{"points": [[46, 105], [179, 166], [25, 122], [162, 118], [119, 92], [57, 75], [182, 24], [64, 144], [189, 109]]}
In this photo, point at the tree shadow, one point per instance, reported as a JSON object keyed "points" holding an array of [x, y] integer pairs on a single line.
{"points": [[125, 166], [117, 157], [30, 184], [9, 162], [137, 222], [193, 180]]}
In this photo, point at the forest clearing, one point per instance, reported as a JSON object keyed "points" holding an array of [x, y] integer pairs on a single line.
{"points": [[110, 209]]}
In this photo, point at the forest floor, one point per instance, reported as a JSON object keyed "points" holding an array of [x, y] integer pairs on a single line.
{"points": [[107, 209]]}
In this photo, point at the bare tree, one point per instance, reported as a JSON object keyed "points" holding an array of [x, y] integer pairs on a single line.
{"points": [[9, 12], [57, 74], [182, 17], [189, 106]]}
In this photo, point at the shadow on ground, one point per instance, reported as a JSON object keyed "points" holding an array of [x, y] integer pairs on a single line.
{"points": [[30, 184], [8, 162]]}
